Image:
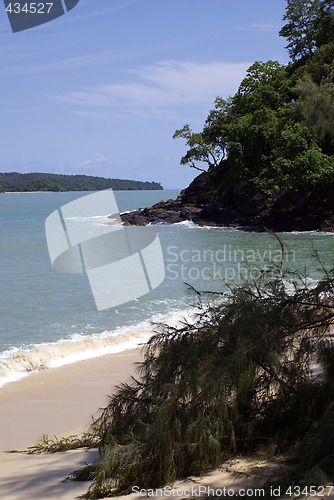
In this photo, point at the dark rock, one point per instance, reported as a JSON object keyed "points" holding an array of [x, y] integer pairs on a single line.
{"points": [[303, 211]]}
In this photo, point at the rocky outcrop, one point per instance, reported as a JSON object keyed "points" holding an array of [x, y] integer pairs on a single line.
{"points": [[303, 211]]}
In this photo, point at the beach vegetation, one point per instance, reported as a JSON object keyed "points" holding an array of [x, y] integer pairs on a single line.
{"points": [[251, 375], [253, 372], [55, 444]]}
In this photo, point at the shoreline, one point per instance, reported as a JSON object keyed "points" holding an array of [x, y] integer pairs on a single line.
{"points": [[20, 363], [278, 212], [30, 192], [84, 191], [61, 401], [56, 400]]}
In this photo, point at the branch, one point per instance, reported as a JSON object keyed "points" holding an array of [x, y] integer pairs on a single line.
{"points": [[192, 165], [303, 326]]}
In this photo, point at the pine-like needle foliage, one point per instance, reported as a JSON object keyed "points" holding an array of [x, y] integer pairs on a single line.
{"points": [[239, 376]]}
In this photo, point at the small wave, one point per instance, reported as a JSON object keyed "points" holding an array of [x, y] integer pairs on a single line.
{"points": [[91, 218], [17, 363], [186, 223], [21, 362], [97, 220], [191, 224], [312, 233]]}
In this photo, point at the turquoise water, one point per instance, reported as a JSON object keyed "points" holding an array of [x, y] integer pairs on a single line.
{"points": [[48, 318]]}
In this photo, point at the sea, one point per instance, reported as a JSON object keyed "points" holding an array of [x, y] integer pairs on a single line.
{"points": [[49, 319]]}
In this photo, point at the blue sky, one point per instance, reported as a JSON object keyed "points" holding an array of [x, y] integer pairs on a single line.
{"points": [[101, 90]]}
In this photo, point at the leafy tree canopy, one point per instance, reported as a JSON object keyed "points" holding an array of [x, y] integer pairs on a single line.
{"points": [[301, 30], [277, 131]]}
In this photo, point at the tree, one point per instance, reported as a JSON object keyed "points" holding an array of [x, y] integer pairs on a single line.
{"points": [[316, 105], [265, 84], [209, 146], [303, 18], [275, 133], [325, 24]]}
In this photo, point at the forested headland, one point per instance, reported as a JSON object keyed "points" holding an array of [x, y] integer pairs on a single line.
{"points": [[17, 182], [266, 154], [277, 131]]}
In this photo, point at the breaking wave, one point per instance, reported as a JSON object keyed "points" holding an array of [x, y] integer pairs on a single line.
{"points": [[17, 363]]}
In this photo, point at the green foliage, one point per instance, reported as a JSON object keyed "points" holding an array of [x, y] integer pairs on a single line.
{"points": [[316, 105], [325, 24], [56, 445], [317, 449], [273, 143], [264, 85], [237, 378], [276, 133], [301, 29], [31, 185], [205, 147], [14, 181]]}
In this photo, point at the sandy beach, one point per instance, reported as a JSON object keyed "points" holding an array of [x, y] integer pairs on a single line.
{"points": [[62, 401], [59, 401]]}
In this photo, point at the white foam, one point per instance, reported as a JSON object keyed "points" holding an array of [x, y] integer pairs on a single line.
{"points": [[190, 224], [16, 363], [314, 233], [90, 218], [186, 223]]}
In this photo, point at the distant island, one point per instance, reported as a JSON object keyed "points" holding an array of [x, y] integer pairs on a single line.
{"points": [[17, 182]]}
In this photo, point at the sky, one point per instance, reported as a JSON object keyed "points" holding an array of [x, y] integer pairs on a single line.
{"points": [[102, 89]]}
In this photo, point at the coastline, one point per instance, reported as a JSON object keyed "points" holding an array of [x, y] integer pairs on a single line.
{"points": [[58, 401], [61, 401], [29, 192], [55, 400], [239, 209]]}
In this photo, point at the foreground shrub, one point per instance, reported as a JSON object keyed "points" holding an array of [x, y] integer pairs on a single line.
{"points": [[238, 378]]}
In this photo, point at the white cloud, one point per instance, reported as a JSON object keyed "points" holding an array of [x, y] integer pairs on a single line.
{"points": [[158, 88], [99, 159], [100, 58]]}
